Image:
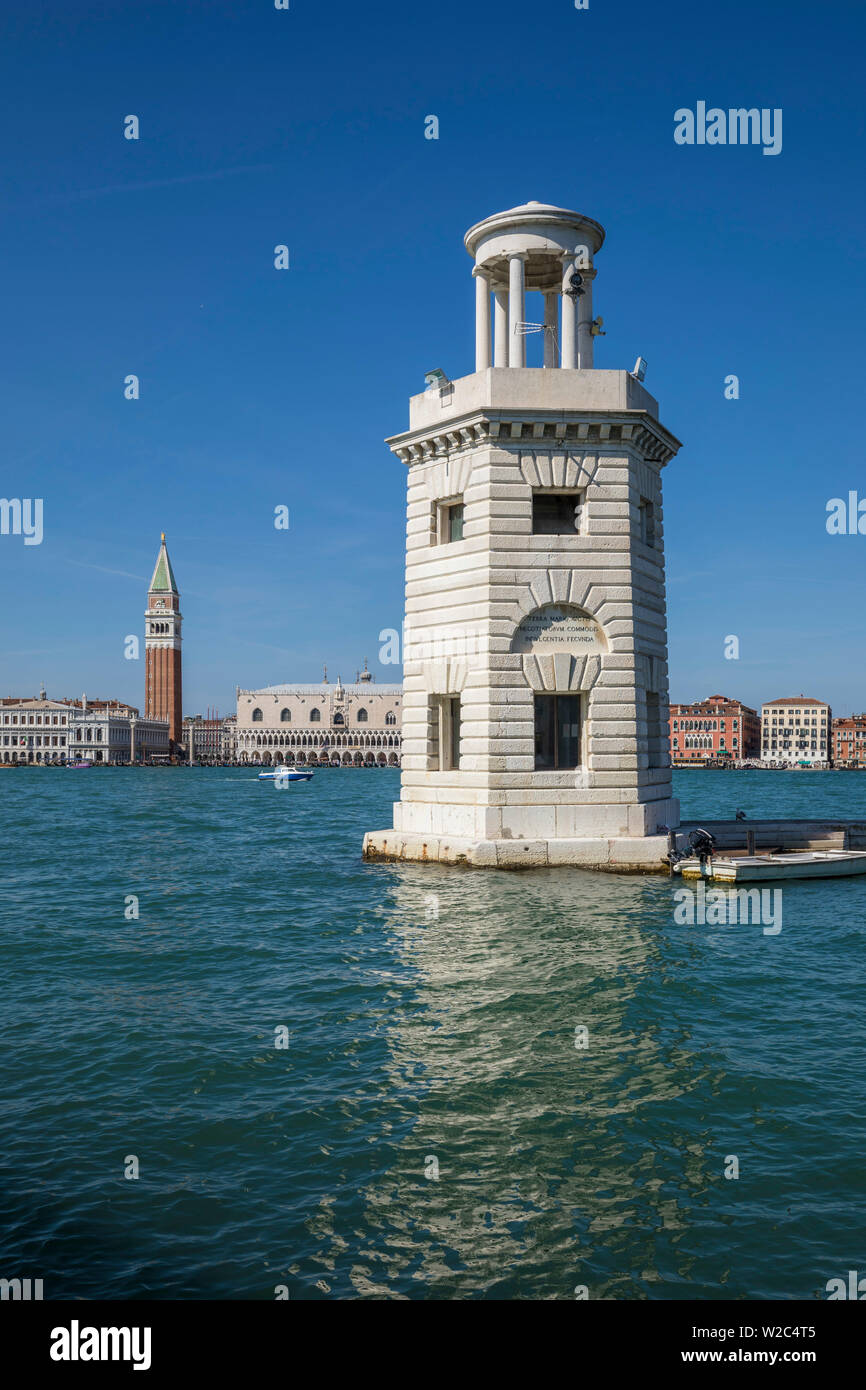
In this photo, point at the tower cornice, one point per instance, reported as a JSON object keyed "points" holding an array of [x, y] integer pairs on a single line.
{"points": [[601, 430]]}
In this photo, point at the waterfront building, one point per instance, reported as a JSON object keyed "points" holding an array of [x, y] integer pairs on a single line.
{"points": [[162, 656], [717, 729], [59, 731], [795, 730], [34, 730], [535, 658], [108, 731], [848, 741], [334, 724], [210, 738]]}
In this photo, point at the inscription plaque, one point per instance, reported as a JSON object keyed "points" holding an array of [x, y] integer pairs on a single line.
{"points": [[558, 628]]}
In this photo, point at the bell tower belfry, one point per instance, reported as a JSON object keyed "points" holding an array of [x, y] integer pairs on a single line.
{"points": [[535, 701]]}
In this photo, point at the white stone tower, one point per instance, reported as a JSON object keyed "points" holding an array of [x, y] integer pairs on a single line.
{"points": [[535, 701]]}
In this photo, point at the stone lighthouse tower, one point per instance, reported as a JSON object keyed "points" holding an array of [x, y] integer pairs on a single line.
{"points": [[535, 701], [162, 674]]}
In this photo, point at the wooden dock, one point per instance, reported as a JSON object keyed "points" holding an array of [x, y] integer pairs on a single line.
{"points": [[753, 836]]}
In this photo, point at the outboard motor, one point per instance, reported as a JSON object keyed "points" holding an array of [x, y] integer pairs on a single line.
{"points": [[702, 844]]}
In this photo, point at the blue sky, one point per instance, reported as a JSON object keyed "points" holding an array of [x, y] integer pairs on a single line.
{"points": [[261, 388]]}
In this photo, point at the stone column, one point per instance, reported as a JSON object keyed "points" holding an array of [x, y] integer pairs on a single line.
{"points": [[500, 328], [131, 742], [584, 322], [568, 343], [482, 320], [551, 323], [516, 311]]}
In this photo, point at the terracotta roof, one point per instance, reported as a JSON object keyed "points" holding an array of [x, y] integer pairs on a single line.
{"points": [[711, 700], [796, 700]]}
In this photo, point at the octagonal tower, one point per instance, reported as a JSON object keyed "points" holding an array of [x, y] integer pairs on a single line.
{"points": [[535, 645]]}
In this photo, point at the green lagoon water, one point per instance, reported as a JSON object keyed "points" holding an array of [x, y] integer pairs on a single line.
{"points": [[431, 1015]]}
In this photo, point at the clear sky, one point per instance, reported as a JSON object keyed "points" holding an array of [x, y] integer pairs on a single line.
{"points": [[262, 387]]}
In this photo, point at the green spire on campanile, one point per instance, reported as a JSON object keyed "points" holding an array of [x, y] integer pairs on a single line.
{"points": [[163, 580]]}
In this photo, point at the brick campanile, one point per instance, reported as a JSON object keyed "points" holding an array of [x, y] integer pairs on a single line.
{"points": [[162, 678]]}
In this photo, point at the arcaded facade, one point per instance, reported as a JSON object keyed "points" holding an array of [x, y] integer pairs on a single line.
{"points": [[348, 725]]}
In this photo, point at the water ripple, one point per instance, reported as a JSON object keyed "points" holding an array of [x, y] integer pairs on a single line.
{"points": [[434, 1128]]}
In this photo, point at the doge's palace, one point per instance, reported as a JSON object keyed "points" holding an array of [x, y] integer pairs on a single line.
{"points": [[349, 725]]}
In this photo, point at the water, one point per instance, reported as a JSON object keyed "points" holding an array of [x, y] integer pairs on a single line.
{"points": [[432, 1016]]}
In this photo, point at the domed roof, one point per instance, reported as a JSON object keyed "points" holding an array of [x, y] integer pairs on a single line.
{"points": [[534, 214]]}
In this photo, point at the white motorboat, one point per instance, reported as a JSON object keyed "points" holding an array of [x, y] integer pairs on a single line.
{"points": [[285, 774], [766, 868]]}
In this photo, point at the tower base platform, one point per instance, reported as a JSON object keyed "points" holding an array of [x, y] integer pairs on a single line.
{"points": [[619, 855], [632, 855]]}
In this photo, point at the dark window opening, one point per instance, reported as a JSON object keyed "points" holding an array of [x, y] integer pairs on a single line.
{"points": [[557, 513], [647, 522], [557, 732], [655, 731], [454, 730]]}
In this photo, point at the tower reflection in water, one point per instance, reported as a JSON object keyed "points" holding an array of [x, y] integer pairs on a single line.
{"points": [[564, 1158]]}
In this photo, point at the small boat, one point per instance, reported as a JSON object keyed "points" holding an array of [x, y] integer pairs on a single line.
{"points": [[78, 767], [285, 774], [766, 868]]}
